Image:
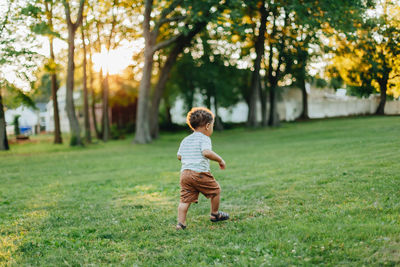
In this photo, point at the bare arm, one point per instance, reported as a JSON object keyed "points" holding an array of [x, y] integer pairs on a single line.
{"points": [[179, 157], [215, 157]]}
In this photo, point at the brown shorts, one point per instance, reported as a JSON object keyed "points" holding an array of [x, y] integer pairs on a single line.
{"points": [[194, 182]]}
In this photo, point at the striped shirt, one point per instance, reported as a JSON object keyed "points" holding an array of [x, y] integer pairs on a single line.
{"points": [[191, 149]]}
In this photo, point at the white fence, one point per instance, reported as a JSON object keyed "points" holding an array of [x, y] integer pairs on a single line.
{"points": [[321, 104]]}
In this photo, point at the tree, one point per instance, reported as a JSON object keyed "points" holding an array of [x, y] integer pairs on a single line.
{"points": [[151, 47], [70, 106], [112, 22], [311, 22], [276, 66], [3, 134], [176, 25], [368, 60], [182, 42], [43, 12], [255, 78], [88, 135], [17, 59]]}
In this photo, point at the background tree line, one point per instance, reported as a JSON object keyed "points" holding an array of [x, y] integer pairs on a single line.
{"points": [[227, 50]]}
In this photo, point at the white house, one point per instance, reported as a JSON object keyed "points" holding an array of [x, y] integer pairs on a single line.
{"points": [[29, 120], [61, 99]]}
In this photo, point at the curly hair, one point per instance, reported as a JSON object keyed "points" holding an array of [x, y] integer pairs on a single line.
{"points": [[198, 117]]}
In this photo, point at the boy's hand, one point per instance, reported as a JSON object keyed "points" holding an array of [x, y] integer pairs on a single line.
{"points": [[214, 156], [222, 164]]}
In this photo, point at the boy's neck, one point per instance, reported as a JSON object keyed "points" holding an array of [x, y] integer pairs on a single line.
{"points": [[201, 130]]}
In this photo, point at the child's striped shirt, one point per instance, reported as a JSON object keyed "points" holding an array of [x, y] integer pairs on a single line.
{"points": [[191, 149]]}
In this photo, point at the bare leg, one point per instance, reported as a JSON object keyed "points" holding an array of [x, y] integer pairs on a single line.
{"points": [[215, 204], [182, 211]]}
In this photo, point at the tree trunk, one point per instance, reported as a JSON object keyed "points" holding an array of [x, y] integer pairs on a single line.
{"points": [[70, 106], [218, 122], [85, 93], [255, 79], [181, 43], [263, 98], [383, 87], [304, 113], [3, 133], [273, 112], [93, 93], [142, 134], [101, 79], [168, 111], [106, 120], [159, 90], [54, 89]]}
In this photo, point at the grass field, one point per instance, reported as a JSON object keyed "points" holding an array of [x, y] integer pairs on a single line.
{"points": [[319, 192]]}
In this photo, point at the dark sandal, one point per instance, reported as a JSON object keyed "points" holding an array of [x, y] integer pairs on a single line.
{"points": [[183, 227], [220, 216]]}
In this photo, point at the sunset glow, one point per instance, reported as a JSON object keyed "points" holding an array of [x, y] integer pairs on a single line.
{"points": [[113, 61]]}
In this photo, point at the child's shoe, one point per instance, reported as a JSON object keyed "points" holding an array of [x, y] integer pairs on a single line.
{"points": [[180, 226], [220, 216]]}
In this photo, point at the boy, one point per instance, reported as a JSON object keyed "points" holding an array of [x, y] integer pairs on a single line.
{"points": [[195, 153]]}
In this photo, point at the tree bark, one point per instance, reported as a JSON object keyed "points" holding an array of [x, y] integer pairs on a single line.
{"points": [[383, 88], [273, 113], [54, 85], [218, 122], [263, 100], [70, 105], [101, 79], [255, 79], [93, 94], [168, 111], [106, 121], [142, 133], [54, 89], [106, 88], [304, 113], [88, 136], [159, 90], [3, 133]]}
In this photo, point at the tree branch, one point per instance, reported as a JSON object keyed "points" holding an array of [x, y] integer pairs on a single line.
{"points": [[67, 12], [167, 20], [112, 27], [80, 14], [146, 20], [166, 43], [395, 76], [5, 21], [169, 9]]}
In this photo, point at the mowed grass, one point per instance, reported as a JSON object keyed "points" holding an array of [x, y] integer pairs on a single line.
{"points": [[319, 192]]}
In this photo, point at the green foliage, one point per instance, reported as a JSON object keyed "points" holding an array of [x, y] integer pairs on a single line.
{"points": [[120, 132], [316, 193], [42, 92], [368, 60], [211, 75], [15, 96]]}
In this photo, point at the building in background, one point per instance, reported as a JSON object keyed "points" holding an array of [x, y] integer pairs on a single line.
{"points": [[61, 99], [322, 103], [31, 121]]}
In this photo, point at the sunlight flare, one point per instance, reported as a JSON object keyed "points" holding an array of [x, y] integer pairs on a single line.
{"points": [[112, 61]]}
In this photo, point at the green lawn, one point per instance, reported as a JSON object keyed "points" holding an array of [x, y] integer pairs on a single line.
{"points": [[318, 192]]}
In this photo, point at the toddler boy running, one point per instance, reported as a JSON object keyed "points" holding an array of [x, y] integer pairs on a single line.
{"points": [[194, 153]]}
